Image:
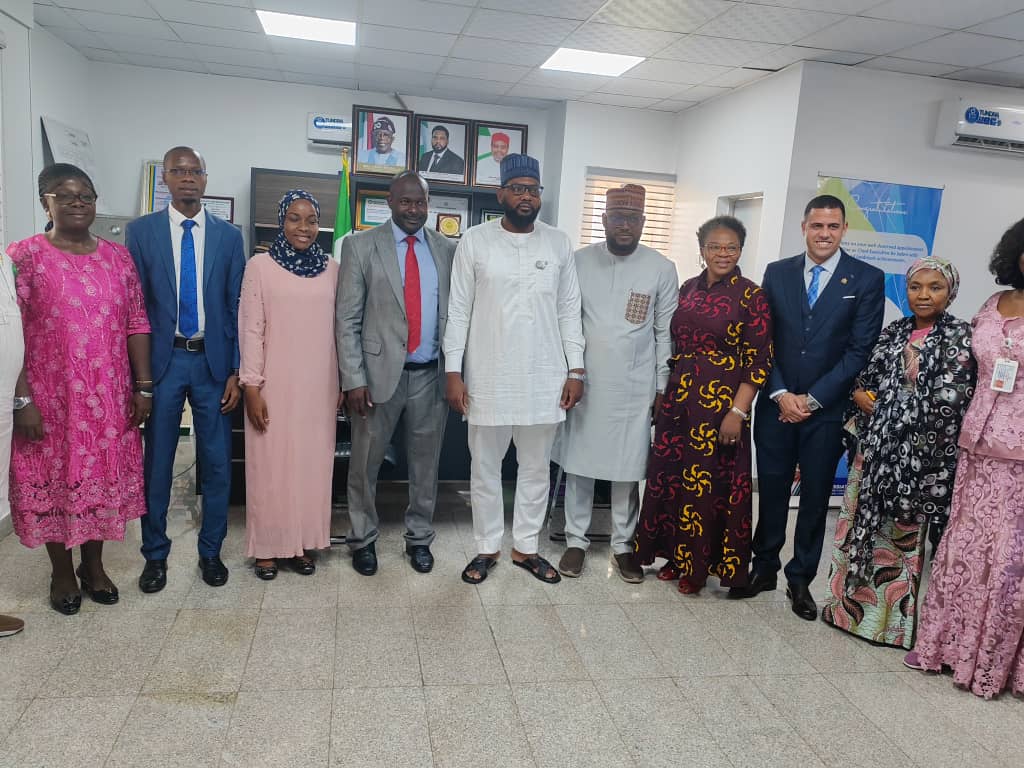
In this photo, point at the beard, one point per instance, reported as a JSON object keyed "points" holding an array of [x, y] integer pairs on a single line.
{"points": [[520, 220]]}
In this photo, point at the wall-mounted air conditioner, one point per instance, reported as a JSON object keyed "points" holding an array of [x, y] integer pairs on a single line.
{"points": [[328, 130], [979, 125]]}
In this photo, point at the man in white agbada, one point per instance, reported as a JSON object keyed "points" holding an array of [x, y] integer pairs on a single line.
{"points": [[629, 293], [514, 331]]}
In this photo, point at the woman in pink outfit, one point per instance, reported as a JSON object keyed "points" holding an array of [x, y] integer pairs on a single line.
{"points": [[290, 375], [973, 616], [76, 465]]}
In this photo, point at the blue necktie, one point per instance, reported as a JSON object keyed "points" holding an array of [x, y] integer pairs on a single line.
{"points": [[812, 289], [188, 297]]}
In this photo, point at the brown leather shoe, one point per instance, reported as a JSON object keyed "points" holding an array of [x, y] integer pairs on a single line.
{"points": [[10, 625], [629, 570], [571, 564]]}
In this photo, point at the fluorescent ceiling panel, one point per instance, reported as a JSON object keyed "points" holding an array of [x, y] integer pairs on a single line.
{"points": [[590, 62], [308, 28]]}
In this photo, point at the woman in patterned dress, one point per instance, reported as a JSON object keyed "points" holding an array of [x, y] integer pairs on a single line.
{"points": [[86, 386], [908, 404], [697, 504], [972, 619]]}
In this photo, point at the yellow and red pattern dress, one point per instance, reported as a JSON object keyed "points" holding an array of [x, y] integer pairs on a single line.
{"points": [[697, 504]]}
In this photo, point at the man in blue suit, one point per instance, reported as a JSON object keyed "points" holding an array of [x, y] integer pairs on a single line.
{"points": [[827, 312], [190, 263]]}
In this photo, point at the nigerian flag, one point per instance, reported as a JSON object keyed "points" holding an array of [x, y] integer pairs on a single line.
{"points": [[343, 214]]}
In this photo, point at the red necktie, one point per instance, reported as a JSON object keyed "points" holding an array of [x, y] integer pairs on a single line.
{"points": [[412, 294]]}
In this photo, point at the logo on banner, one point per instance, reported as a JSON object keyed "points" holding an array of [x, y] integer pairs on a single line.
{"points": [[329, 123], [983, 117]]}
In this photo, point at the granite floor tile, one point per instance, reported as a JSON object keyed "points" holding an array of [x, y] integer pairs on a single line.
{"points": [[476, 725], [71, 731], [380, 728], [292, 649], [608, 642], [456, 646], [206, 652], [376, 647], [534, 645], [169, 730], [10, 712], [568, 725], [29, 658], [685, 645], [389, 586], [273, 728]]}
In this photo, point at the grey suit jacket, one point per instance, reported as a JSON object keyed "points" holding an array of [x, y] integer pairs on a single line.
{"points": [[371, 327]]}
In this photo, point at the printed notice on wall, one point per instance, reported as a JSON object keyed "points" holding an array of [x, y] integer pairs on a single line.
{"points": [[72, 145]]}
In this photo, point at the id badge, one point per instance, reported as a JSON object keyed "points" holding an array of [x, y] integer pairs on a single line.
{"points": [[1004, 375]]}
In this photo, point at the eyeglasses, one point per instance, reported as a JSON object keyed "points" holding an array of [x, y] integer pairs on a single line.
{"points": [[716, 248], [632, 219], [533, 190], [67, 198], [181, 173]]}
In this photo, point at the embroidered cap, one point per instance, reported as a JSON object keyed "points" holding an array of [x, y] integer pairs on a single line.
{"points": [[518, 167], [629, 197]]}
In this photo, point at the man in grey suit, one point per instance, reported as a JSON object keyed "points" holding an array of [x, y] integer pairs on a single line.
{"points": [[391, 309]]}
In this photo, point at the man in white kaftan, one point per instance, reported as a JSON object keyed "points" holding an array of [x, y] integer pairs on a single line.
{"points": [[629, 294], [514, 332]]}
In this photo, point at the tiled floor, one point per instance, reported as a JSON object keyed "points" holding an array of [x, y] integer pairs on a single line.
{"points": [[413, 671]]}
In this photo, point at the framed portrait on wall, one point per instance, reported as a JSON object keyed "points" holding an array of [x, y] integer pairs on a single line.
{"points": [[381, 138], [441, 149], [491, 142]]}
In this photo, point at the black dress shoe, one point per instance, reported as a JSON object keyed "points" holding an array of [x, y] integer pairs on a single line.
{"points": [[803, 604], [364, 559], [215, 573], [420, 557], [101, 596], [154, 576], [66, 604], [759, 582]]}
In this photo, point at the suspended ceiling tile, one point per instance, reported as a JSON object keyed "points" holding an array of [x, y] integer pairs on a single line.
{"points": [[174, 49], [716, 50], [669, 71], [988, 77], [562, 9], [395, 79], [485, 70], [327, 80], [541, 92], [412, 40], [164, 62], [123, 25], [226, 38], [287, 46], [483, 49], [908, 66], [470, 85], [1014, 65], [79, 38], [514, 27], [139, 8], [673, 105], [611, 38], [98, 54], [832, 6], [315, 66], [644, 88], [768, 24], [343, 10], [573, 81], [238, 57], [52, 16], [700, 93], [954, 14], [1009, 26], [399, 59], [964, 49], [871, 36], [254, 73], [208, 14], [667, 15], [618, 100], [737, 77], [416, 14]]}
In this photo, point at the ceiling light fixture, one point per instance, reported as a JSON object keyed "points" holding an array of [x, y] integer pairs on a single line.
{"points": [[308, 27], [590, 62]]}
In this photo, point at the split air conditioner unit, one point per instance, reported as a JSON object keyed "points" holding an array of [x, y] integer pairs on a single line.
{"points": [[324, 130], [978, 125]]}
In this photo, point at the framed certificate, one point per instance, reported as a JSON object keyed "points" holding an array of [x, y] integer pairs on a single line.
{"points": [[371, 208]]}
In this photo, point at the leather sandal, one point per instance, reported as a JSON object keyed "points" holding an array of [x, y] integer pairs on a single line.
{"points": [[539, 567], [482, 565]]}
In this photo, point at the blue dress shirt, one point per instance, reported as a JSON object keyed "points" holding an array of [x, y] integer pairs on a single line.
{"points": [[429, 345]]}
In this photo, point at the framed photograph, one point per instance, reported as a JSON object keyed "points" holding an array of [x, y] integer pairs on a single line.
{"points": [[441, 149], [486, 216], [222, 207], [382, 138], [491, 142], [371, 208]]}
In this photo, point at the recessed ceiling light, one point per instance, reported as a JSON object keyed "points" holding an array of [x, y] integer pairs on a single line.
{"points": [[308, 27], [590, 62]]}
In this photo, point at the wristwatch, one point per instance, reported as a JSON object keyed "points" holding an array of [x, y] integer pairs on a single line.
{"points": [[21, 402], [577, 376]]}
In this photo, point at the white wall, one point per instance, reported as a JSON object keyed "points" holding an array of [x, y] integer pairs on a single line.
{"points": [[236, 123], [880, 126], [738, 144], [609, 137], [61, 89], [15, 90]]}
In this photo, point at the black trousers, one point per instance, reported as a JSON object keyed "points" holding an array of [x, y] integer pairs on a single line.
{"points": [[816, 445]]}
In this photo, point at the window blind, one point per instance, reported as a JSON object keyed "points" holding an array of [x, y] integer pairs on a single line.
{"points": [[658, 207]]}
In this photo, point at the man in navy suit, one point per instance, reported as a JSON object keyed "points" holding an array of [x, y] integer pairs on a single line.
{"points": [[190, 263], [827, 312]]}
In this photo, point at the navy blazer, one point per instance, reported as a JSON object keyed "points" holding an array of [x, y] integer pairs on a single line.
{"points": [[149, 240], [820, 351]]}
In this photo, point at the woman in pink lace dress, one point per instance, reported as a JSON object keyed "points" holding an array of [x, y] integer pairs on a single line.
{"points": [[76, 467], [973, 615]]}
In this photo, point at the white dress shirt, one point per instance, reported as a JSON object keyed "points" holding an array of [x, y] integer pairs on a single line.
{"points": [[830, 265], [514, 314], [199, 239]]}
